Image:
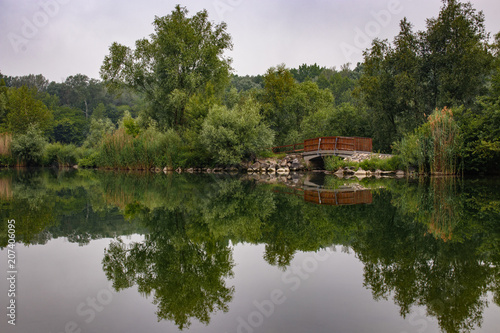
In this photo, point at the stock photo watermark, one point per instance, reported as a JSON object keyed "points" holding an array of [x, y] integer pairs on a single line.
{"points": [[11, 272], [372, 29], [224, 6], [293, 279], [87, 310], [31, 26]]}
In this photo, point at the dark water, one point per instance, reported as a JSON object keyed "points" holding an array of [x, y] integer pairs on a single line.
{"points": [[117, 252]]}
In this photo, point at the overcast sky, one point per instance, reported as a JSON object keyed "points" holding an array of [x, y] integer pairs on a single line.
{"points": [[58, 38]]}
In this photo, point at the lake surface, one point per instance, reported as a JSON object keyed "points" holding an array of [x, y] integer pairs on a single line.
{"points": [[140, 252]]}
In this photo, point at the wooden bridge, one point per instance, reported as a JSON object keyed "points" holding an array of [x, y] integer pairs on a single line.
{"points": [[315, 149]]}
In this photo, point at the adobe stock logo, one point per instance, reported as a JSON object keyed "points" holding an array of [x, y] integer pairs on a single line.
{"points": [[31, 26], [372, 29]]}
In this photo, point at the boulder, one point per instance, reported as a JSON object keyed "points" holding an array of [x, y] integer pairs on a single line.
{"points": [[283, 171]]}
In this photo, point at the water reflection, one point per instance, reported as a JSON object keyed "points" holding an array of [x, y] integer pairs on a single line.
{"points": [[431, 243]]}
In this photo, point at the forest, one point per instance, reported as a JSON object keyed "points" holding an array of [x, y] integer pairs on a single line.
{"points": [[430, 97]]}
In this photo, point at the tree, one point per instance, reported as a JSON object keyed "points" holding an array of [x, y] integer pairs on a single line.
{"points": [[456, 55], [70, 125], [232, 134], [24, 110], [181, 57], [307, 72]]}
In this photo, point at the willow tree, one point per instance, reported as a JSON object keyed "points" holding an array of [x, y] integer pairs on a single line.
{"points": [[180, 59]]}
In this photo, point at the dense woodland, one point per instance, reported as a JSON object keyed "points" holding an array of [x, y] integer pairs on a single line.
{"points": [[431, 97]]}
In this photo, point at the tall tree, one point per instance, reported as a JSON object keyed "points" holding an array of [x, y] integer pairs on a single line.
{"points": [[456, 55], [182, 56]]}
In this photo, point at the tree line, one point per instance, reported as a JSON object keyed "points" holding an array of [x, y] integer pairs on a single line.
{"points": [[430, 96]]}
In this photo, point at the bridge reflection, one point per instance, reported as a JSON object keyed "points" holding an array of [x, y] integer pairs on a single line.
{"points": [[338, 197]]}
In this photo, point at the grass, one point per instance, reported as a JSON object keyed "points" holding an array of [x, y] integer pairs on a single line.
{"points": [[333, 163]]}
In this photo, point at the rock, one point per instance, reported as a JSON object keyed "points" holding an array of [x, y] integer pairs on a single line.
{"points": [[283, 163], [400, 173], [178, 170], [339, 172], [295, 166], [283, 171], [190, 170], [256, 166]]}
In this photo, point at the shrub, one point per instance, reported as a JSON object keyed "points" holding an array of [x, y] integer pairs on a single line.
{"points": [[29, 148], [57, 154], [230, 135], [333, 163]]}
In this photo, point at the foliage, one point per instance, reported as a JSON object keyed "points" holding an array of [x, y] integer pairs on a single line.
{"points": [[446, 65], [57, 154], [342, 120], [25, 111], [99, 128], [233, 134], [29, 148], [70, 125], [434, 147], [182, 56]]}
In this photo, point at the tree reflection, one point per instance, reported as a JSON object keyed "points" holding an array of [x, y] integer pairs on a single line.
{"points": [[441, 270], [185, 277]]}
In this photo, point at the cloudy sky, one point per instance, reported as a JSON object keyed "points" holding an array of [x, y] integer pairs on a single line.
{"points": [[58, 38]]}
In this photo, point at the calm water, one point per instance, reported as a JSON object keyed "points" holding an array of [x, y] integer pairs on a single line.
{"points": [[116, 252]]}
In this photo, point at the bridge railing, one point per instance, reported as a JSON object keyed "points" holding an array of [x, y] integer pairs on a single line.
{"points": [[338, 143], [327, 143]]}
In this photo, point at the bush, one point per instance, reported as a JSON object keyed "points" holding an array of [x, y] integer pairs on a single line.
{"points": [[57, 154], [29, 148], [333, 163], [90, 161], [230, 135]]}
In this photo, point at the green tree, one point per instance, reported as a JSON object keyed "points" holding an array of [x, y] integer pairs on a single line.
{"points": [[229, 135], [456, 55], [24, 110], [98, 129], [181, 57], [70, 125]]}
